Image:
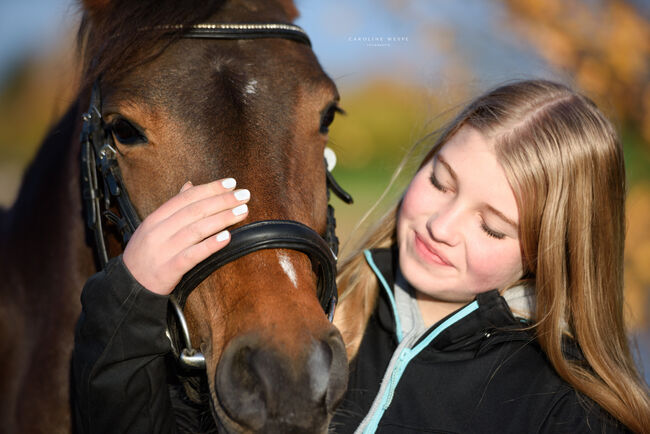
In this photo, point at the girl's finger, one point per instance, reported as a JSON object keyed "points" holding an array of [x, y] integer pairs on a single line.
{"points": [[196, 253], [196, 211], [190, 195], [202, 229]]}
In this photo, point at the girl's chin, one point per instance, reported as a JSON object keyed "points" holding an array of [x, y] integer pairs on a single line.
{"points": [[426, 280]]}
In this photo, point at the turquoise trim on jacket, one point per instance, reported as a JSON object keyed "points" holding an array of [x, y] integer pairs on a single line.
{"points": [[406, 354]]}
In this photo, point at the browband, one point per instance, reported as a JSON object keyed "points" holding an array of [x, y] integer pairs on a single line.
{"points": [[243, 31]]}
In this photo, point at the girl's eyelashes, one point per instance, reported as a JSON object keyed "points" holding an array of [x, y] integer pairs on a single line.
{"points": [[492, 233], [437, 184]]}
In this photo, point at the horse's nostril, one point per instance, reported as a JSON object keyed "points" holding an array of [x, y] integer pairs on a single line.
{"points": [[240, 389], [261, 388], [338, 371], [318, 367]]}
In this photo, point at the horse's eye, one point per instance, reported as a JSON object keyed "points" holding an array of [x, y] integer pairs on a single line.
{"points": [[328, 117], [126, 133]]}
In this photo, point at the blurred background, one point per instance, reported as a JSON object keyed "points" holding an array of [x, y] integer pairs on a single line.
{"points": [[402, 67]]}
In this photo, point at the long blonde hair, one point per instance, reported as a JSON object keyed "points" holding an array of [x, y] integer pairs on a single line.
{"points": [[564, 162]]}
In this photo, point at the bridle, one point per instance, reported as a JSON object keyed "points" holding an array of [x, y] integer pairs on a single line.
{"points": [[103, 191]]}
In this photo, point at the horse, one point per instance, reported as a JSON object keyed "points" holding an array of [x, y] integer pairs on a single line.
{"points": [[198, 91]]}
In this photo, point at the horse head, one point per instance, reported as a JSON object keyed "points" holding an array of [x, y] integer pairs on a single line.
{"points": [[255, 106]]}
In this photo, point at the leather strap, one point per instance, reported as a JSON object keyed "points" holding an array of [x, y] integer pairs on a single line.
{"points": [[268, 234], [246, 31], [99, 157]]}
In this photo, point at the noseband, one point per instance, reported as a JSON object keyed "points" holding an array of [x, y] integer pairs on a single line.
{"points": [[104, 190]]}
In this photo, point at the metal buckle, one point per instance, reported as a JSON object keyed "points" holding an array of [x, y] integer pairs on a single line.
{"points": [[188, 357]]}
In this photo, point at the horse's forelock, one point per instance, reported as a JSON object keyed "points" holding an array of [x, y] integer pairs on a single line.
{"points": [[111, 39], [112, 42], [289, 8]]}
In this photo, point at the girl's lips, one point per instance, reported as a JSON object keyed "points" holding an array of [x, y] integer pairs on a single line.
{"points": [[428, 253]]}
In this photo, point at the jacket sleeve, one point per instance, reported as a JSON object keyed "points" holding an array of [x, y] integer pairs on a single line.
{"points": [[119, 377]]}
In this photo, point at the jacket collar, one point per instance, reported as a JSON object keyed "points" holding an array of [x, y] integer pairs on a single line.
{"points": [[386, 260], [493, 312]]}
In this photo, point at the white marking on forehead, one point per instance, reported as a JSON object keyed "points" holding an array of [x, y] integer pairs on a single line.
{"points": [[287, 266], [251, 87], [218, 63]]}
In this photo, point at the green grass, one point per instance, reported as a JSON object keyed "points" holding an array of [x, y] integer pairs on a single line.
{"points": [[637, 157]]}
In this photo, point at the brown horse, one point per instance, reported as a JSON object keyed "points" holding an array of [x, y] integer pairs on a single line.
{"points": [[183, 109]]}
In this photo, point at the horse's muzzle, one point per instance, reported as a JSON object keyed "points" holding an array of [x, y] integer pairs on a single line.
{"points": [[263, 391]]}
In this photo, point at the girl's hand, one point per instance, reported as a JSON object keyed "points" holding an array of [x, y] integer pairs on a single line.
{"points": [[183, 232]]}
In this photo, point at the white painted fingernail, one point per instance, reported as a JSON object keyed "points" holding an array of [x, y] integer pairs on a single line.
{"points": [[229, 183], [242, 194], [223, 236], [187, 185], [239, 210]]}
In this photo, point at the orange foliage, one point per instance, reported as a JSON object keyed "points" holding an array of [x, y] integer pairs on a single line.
{"points": [[604, 45], [637, 257]]}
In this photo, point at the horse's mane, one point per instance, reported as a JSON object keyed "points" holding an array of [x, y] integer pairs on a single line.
{"points": [[47, 165], [112, 40], [3, 213]]}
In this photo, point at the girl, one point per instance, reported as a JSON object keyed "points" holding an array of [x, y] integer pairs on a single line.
{"points": [[491, 298]]}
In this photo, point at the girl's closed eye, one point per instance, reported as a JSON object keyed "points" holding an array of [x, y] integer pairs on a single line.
{"points": [[491, 232], [437, 184]]}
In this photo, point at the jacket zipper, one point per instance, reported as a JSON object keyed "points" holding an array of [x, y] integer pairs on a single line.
{"points": [[406, 354], [371, 421], [395, 377]]}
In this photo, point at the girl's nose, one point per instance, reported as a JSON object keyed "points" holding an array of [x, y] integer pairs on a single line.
{"points": [[444, 224]]}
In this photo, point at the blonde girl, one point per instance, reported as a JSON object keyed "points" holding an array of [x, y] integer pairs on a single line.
{"points": [[490, 299]]}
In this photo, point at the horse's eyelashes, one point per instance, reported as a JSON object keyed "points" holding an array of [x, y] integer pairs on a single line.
{"points": [[126, 133], [328, 117]]}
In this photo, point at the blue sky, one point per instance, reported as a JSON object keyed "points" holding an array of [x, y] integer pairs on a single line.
{"points": [[337, 27], [27, 26], [351, 39]]}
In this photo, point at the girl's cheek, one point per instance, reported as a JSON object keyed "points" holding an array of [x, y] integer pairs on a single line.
{"points": [[481, 266], [493, 268], [410, 206]]}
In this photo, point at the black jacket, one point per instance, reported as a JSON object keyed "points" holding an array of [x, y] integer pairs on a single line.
{"points": [[483, 372], [121, 380]]}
